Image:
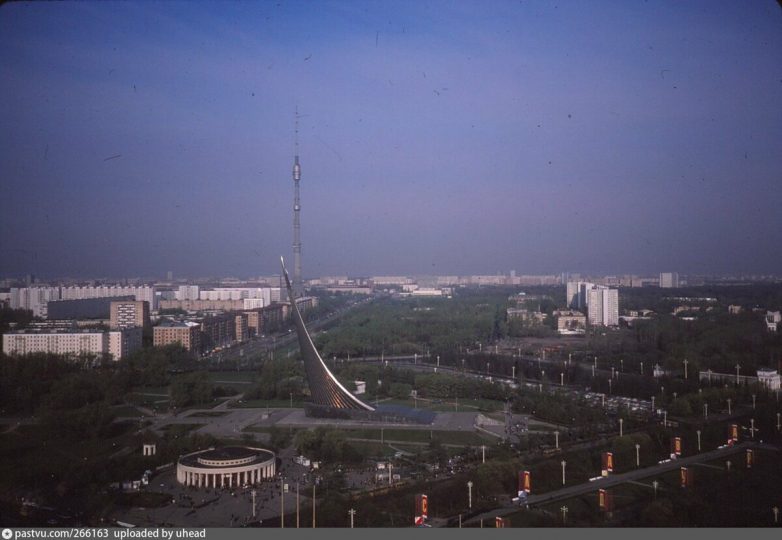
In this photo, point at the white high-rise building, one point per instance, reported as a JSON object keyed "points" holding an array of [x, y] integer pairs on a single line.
{"points": [[577, 294], [188, 292], [669, 280], [603, 306], [34, 299], [141, 292]]}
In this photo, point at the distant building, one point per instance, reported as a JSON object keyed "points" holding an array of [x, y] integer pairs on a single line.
{"points": [[35, 299], [188, 292], [734, 310], [241, 304], [669, 280], [86, 308], [769, 378], [534, 317], [187, 334], [773, 319], [141, 292], [603, 306]]}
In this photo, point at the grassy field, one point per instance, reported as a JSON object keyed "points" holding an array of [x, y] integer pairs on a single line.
{"points": [[447, 405]]}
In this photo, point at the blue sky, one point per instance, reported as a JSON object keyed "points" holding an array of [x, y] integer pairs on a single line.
{"points": [[436, 137]]}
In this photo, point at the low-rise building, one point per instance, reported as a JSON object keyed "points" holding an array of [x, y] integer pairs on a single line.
{"points": [[769, 378], [186, 333], [570, 322], [773, 319]]}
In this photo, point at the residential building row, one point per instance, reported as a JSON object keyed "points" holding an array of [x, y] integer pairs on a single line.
{"points": [[74, 342]]}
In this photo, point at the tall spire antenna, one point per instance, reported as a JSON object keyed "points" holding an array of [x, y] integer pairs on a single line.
{"points": [[298, 289]]}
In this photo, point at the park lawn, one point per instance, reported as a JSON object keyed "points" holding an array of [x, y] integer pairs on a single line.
{"points": [[448, 404], [234, 376]]}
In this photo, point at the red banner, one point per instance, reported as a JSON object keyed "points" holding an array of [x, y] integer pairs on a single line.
{"points": [[676, 446], [525, 482], [605, 500], [750, 458], [734, 433], [421, 509], [687, 477], [608, 462], [500, 523]]}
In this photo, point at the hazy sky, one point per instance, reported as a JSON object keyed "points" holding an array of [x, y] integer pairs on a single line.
{"points": [[436, 137]]}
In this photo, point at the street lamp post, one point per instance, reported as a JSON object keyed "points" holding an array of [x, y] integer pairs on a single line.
{"points": [[779, 425], [699, 439], [728, 405], [738, 367], [775, 510], [563, 471], [752, 428], [652, 404], [352, 513], [637, 455], [483, 453], [514, 373], [556, 439], [642, 368], [562, 379], [254, 493], [705, 411], [753, 401], [665, 418], [654, 485], [282, 502], [564, 514], [469, 494], [621, 423], [685, 369], [297, 504]]}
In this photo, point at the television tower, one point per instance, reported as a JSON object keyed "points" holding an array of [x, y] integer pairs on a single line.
{"points": [[298, 290]]}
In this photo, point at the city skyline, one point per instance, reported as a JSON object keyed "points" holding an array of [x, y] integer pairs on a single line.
{"points": [[439, 139]]}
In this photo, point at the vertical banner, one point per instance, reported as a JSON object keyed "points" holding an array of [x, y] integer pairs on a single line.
{"points": [[421, 510], [605, 500], [608, 463], [525, 483], [733, 434], [500, 523], [676, 446], [750, 458], [687, 477]]}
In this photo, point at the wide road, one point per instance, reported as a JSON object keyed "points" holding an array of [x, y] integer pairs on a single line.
{"points": [[616, 479], [259, 345]]}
